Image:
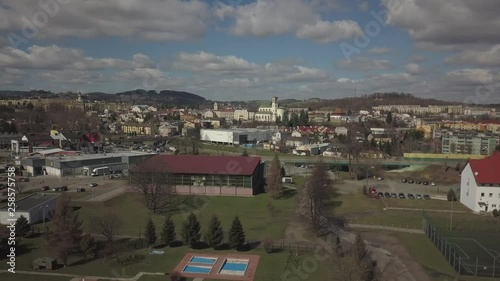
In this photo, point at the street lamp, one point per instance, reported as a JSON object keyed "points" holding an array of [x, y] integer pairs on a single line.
{"points": [[44, 207]]}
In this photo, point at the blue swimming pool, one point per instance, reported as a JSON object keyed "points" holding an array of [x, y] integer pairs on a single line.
{"points": [[203, 260], [234, 266], [196, 269]]}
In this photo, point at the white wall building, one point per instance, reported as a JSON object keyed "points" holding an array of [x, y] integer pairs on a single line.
{"points": [[270, 114], [480, 184], [34, 208], [235, 136]]}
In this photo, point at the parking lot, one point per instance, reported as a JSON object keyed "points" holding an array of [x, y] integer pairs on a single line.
{"points": [[105, 186]]}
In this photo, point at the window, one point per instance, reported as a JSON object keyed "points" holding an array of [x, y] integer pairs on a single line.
{"points": [[482, 194], [494, 206], [491, 195]]}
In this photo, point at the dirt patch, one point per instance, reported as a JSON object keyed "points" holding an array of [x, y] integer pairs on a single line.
{"points": [[440, 174], [389, 242]]}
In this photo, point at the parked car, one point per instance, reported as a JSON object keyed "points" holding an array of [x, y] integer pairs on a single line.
{"points": [[387, 195], [380, 178], [402, 196], [427, 197], [394, 195], [380, 195], [425, 183], [93, 184], [419, 197], [418, 182], [63, 188], [80, 189], [411, 196], [404, 180], [45, 188], [433, 183], [411, 181]]}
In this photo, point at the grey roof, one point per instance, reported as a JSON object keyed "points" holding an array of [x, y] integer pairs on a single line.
{"points": [[67, 158], [37, 199]]}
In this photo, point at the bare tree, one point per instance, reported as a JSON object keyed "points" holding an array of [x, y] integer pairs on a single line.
{"points": [[155, 186], [352, 262], [65, 233], [316, 195], [108, 225]]}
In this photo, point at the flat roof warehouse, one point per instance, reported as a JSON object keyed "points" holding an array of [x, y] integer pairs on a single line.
{"points": [[33, 201]]}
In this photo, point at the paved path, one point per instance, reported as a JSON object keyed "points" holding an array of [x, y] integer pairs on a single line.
{"points": [[82, 278], [388, 228]]}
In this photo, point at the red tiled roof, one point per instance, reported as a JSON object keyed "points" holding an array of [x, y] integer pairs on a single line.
{"points": [[202, 164], [486, 170]]}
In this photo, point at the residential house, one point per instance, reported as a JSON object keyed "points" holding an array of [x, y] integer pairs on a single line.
{"points": [[480, 184], [296, 141], [341, 131], [150, 129]]}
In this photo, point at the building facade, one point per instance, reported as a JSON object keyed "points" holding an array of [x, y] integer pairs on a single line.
{"points": [[35, 208], [270, 114], [480, 184], [468, 144], [201, 174]]}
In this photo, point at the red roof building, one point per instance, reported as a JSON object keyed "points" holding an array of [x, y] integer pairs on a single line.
{"points": [[486, 170], [480, 184], [210, 175]]}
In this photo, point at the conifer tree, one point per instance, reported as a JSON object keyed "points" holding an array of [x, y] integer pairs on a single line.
{"points": [[236, 234], [150, 233], [168, 234], [190, 231], [215, 234]]}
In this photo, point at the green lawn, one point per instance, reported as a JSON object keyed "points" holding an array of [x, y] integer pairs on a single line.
{"points": [[28, 277], [425, 204], [363, 210], [261, 216]]}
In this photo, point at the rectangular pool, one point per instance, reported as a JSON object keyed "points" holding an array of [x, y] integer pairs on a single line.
{"points": [[234, 267], [204, 260], [197, 269]]}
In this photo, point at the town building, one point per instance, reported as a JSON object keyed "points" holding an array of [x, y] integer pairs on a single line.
{"points": [[202, 174], [235, 136], [468, 144], [65, 164], [270, 114], [35, 208], [140, 129], [480, 184]]}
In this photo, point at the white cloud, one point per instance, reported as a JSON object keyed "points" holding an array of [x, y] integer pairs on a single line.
{"points": [[207, 62], [413, 68], [148, 19], [447, 23], [272, 17], [364, 64], [211, 64], [488, 58], [326, 32], [379, 51]]}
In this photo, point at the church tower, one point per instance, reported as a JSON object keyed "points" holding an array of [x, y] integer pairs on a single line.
{"points": [[274, 108], [216, 106]]}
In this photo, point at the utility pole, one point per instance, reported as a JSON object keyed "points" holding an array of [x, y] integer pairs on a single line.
{"points": [[451, 214]]}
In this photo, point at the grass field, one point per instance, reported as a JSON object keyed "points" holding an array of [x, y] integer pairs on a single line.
{"points": [[261, 216], [256, 214], [428, 256], [425, 204]]}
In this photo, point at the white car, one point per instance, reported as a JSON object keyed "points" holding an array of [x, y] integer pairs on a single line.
{"points": [[433, 184]]}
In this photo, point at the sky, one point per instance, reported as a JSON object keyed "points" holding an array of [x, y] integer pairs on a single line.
{"points": [[254, 49]]}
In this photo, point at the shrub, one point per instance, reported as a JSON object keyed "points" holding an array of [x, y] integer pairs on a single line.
{"points": [[495, 213]]}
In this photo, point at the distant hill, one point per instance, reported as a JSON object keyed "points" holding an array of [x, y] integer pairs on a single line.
{"points": [[138, 96], [367, 101]]}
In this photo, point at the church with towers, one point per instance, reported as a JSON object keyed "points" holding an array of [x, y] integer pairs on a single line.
{"points": [[270, 114]]}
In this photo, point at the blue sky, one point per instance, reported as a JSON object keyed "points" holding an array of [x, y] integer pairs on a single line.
{"points": [[241, 50]]}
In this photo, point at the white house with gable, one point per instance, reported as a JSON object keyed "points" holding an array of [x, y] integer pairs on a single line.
{"points": [[480, 184]]}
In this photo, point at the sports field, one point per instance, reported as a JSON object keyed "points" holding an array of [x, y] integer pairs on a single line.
{"points": [[473, 254]]}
